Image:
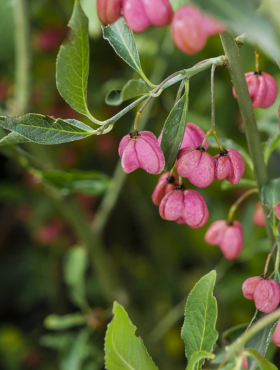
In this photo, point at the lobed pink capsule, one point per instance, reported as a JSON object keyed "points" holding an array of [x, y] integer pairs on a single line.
{"points": [[277, 210], [193, 137], [191, 28], [141, 150], [229, 165], [276, 335], [262, 88], [184, 206], [258, 217], [249, 286], [109, 11], [196, 165], [165, 185], [141, 14], [229, 237], [267, 295]]}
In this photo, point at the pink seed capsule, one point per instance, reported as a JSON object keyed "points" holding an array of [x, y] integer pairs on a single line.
{"points": [[229, 237], [258, 218], [244, 363], [109, 11], [277, 210], [166, 184], [141, 14], [229, 165], [196, 165], [184, 206], [267, 295], [193, 137], [249, 286], [191, 28], [276, 335], [141, 150], [262, 88]]}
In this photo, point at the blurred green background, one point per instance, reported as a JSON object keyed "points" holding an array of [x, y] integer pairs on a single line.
{"points": [[157, 262]]}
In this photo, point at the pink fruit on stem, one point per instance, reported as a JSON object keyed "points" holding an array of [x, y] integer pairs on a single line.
{"points": [[141, 14], [277, 210], [249, 286], [196, 165], [191, 28], [193, 137], [184, 206], [229, 237], [229, 165], [109, 11], [262, 88], [267, 295], [166, 184], [258, 218], [276, 335], [141, 150], [244, 363]]}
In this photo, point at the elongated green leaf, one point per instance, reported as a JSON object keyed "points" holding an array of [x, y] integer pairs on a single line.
{"points": [[56, 322], [241, 17], [75, 265], [86, 182], [74, 357], [13, 138], [270, 197], [243, 184], [262, 362], [132, 89], [199, 329], [271, 145], [230, 144], [260, 341], [46, 130], [173, 131], [123, 350], [198, 356], [72, 65], [122, 41]]}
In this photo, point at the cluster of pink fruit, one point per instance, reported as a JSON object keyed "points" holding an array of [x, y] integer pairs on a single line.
{"points": [[190, 27]]}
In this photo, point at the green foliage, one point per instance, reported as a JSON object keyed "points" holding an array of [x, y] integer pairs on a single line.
{"points": [[72, 66], [122, 40], [174, 129], [271, 144], [75, 264], [13, 138], [132, 89], [198, 356], [55, 322], [270, 197], [233, 333], [243, 184], [123, 350], [198, 331], [46, 130], [85, 182], [263, 363]]}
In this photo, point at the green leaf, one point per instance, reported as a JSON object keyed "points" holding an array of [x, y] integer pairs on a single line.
{"points": [[72, 65], [132, 89], [230, 335], [86, 182], [262, 362], [271, 145], [198, 356], [122, 41], [77, 353], [260, 341], [55, 322], [13, 138], [174, 130], [241, 17], [176, 4], [198, 331], [270, 196], [75, 264], [230, 144], [243, 183], [123, 350], [46, 130]]}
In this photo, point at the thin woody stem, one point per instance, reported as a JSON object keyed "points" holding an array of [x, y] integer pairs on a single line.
{"points": [[257, 59], [234, 207], [213, 125], [268, 259], [179, 93]]}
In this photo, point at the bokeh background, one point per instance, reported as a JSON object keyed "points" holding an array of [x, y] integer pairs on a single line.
{"points": [[157, 262]]}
